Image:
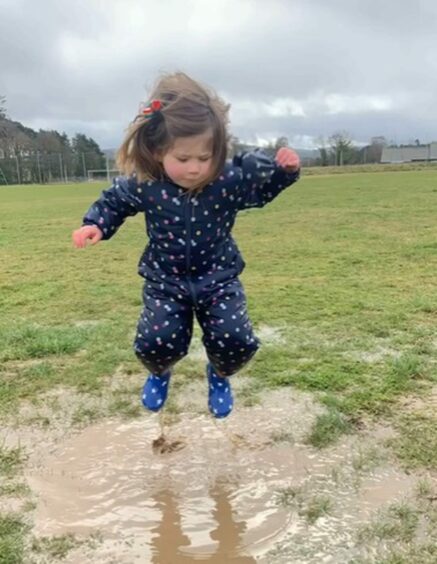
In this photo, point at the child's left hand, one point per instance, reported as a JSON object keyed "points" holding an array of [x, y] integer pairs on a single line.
{"points": [[287, 159]]}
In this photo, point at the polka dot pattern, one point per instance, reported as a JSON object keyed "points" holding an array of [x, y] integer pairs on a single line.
{"points": [[191, 262]]}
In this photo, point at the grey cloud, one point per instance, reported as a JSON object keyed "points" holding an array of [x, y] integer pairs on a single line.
{"points": [[86, 64]]}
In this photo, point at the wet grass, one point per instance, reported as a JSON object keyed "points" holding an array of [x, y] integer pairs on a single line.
{"points": [[417, 554], [327, 428], [424, 489], [12, 535], [58, 547], [282, 436], [416, 445], [402, 531], [405, 532], [310, 507], [367, 459], [14, 489], [398, 523], [316, 507], [289, 496], [11, 460], [421, 554]]}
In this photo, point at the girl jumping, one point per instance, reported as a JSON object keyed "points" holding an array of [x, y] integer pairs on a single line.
{"points": [[176, 173]]}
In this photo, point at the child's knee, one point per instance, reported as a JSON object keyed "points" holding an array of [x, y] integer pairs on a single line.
{"points": [[246, 350], [230, 359], [159, 349], [253, 345], [242, 346]]}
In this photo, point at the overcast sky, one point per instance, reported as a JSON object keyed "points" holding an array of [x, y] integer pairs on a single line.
{"points": [[299, 68]]}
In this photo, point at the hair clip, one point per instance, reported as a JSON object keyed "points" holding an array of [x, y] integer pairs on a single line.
{"points": [[150, 109]]}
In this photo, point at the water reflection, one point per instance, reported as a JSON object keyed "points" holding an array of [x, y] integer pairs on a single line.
{"points": [[167, 536], [168, 540], [229, 531]]}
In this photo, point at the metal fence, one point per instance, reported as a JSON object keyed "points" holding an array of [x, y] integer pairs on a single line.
{"points": [[48, 168]]}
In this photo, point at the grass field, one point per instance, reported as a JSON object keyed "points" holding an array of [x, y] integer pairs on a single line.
{"points": [[341, 270]]}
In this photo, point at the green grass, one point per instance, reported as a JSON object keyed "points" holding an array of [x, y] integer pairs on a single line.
{"points": [[12, 533], [367, 459], [405, 532], [22, 342], [424, 488], [416, 445], [290, 496], [327, 428], [58, 547], [15, 489], [311, 508], [398, 523], [316, 508], [370, 167], [419, 554], [343, 265], [11, 460]]}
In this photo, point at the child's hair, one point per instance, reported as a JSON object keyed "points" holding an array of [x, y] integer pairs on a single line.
{"points": [[187, 108]]}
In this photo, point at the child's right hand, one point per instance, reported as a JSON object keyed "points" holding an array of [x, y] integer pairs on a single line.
{"points": [[86, 233]]}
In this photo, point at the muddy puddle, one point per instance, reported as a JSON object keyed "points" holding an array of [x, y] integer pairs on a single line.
{"points": [[199, 490]]}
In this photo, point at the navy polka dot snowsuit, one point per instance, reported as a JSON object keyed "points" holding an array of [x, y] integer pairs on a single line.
{"points": [[191, 263]]}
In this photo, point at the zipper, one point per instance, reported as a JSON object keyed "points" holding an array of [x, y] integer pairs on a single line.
{"points": [[188, 216]]}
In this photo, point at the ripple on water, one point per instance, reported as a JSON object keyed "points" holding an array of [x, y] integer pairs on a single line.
{"points": [[211, 496]]}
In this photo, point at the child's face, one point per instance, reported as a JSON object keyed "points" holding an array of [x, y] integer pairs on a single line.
{"points": [[188, 162]]}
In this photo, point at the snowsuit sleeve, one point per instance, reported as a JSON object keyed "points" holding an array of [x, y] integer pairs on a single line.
{"points": [[261, 179], [123, 199]]}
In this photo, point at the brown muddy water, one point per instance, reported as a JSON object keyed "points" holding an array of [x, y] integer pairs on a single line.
{"points": [[200, 490], [204, 490]]}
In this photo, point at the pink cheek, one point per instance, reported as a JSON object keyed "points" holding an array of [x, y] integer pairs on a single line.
{"points": [[174, 170]]}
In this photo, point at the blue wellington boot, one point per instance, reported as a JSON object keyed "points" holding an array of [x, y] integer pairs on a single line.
{"points": [[220, 400], [155, 391]]}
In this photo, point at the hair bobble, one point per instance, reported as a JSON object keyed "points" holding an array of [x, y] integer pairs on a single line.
{"points": [[150, 109]]}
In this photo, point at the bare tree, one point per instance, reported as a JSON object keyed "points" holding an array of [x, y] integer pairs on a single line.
{"points": [[341, 146]]}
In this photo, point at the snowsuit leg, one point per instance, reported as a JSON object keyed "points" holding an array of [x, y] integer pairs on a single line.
{"points": [[227, 331], [165, 326]]}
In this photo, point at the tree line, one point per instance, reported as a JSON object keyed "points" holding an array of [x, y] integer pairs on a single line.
{"points": [[336, 150], [339, 150], [28, 156]]}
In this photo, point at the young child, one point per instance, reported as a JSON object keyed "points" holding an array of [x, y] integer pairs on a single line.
{"points": [[174, 158]]}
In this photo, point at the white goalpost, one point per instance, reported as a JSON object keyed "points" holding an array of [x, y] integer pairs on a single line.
{"points": [[102, 174]]}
